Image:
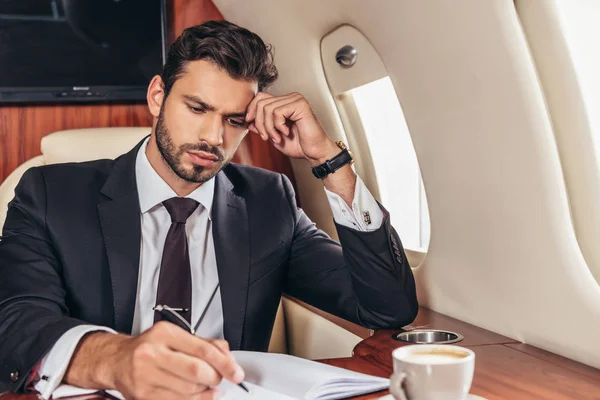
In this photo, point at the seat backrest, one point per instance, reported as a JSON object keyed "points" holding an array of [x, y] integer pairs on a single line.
{"points": [[77, 145], [73, 145]]}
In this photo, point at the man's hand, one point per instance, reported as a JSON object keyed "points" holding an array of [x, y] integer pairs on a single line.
{"points": [[288, 121], [165, 362]]}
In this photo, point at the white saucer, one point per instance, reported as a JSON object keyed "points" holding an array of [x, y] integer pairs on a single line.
{"points": [[469, 397]]}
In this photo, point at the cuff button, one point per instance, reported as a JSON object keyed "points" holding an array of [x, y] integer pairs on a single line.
{"points": [[14, 376]]}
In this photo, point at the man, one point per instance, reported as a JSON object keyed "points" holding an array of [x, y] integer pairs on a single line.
{"points": [[82, 264]]}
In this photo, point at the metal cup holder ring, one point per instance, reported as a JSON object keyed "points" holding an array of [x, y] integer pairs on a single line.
{"points": [[428, 336]]}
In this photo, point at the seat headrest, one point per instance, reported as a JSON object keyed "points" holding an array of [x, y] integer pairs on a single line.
{"points": [[77, 145]]}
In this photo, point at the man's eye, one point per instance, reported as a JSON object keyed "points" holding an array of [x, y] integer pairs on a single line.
{"points": [[236, 123], [196, 110]]}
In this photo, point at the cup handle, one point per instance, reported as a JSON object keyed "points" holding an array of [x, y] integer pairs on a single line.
{"points": [[396, 385]]}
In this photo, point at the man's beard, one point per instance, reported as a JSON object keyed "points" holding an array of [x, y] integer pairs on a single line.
{"points": [[173, 156]]}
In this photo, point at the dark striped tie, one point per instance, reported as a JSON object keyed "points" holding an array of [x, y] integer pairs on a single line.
{"points": [[175, 279]]}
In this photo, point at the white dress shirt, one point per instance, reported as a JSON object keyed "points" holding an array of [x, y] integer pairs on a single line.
{"points": [[207, 311]]}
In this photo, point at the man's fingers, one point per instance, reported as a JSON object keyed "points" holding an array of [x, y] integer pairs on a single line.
{"points": [[221, 344], [168, 394], [251, 110], [290, 110], [179, 340], [224, 364], [252, 128], [272, 125], [183, 387], [212, 394], [280, 124], [190, 369], [260, 113], [259, 120], [276, 121], [268, 122], [156, 393]]}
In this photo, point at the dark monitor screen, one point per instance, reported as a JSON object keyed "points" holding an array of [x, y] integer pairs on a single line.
{"points": [[80, 50]]}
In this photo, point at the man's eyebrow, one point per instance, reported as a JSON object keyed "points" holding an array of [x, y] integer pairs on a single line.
{"points": [[236, 115], [199, 102], [206, 106]]}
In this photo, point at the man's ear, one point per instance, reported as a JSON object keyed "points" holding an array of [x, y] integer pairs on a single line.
{"points": [[155, 95]]}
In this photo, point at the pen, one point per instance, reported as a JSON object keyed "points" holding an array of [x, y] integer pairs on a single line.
{"points": [[172, 315]]}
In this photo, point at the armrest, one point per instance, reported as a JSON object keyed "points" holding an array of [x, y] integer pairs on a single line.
{"points": [[314, 334], [356, 329]]}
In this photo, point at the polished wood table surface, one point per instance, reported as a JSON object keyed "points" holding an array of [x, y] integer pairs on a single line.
{"points": [[504, 368]]}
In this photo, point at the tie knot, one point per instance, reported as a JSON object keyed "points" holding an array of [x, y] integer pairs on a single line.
{"points": [[180, 208]]}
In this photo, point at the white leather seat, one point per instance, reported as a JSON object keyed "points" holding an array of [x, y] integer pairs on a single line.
{"points": [[297, 330]]}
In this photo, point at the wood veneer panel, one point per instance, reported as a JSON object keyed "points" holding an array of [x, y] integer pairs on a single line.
{"points": [[23, 126], [473, 335], [557, 360]]}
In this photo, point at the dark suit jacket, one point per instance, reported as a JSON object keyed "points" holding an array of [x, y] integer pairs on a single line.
{"points": [[71, 246]]}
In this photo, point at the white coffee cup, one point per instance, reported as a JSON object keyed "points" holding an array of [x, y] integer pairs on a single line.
{"points": [[432, 372]]}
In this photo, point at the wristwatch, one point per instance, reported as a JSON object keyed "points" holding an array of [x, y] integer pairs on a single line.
{"points": [[330, 166]]}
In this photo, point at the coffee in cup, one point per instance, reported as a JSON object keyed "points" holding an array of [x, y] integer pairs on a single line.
{"points": [[432, 372]]}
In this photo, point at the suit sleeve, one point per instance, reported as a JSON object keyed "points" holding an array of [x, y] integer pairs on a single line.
{"points": [[365, 278], [33, 313]]}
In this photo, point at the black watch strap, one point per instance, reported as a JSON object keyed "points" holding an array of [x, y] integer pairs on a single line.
{"points": [[330, 166]]}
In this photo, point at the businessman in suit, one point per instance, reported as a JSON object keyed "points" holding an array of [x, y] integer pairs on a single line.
{"points": [[89, 249]]}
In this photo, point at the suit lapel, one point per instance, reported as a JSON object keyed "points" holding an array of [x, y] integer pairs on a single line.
{"points": [[119, 215], [232, 250]]}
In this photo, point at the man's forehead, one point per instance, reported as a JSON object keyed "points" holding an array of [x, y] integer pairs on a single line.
{"points": [[202, 79]]}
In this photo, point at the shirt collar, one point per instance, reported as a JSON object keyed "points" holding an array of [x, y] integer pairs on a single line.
{"points": [[153, 190]]}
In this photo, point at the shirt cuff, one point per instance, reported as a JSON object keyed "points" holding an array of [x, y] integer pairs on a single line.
{"points": [[54, 365], [365, 214]]}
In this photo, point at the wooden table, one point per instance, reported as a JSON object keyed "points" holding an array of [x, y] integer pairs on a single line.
{"points": [[504, 369]]}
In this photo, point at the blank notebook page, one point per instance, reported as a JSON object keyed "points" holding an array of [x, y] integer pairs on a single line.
{"points": [[302, 379]]}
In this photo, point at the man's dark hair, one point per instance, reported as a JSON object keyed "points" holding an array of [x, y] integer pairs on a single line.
{"points": [[236, 50]]}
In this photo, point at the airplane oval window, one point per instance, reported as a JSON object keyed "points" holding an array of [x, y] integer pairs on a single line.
{"points": [[377, 133], [394, 161]]}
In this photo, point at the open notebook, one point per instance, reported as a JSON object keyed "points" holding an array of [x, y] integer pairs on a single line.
{"points": [[279, 376]]}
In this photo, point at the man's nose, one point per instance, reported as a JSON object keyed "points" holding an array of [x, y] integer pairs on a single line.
{"points": [[212, 132]]}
